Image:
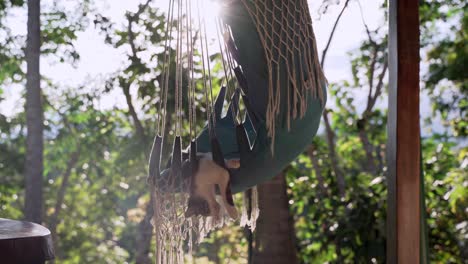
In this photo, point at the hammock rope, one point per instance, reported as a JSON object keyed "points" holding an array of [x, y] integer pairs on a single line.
{"points": [[285, 31], [269, 76], [170, 192], [190, 73], [227, 65]]}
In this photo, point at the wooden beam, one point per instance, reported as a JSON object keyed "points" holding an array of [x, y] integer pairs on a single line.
{"points": [[403, 213]]}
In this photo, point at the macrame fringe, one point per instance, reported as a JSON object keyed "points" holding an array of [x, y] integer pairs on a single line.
{"points": [[285, 31], [173, 230], [250, 210]]}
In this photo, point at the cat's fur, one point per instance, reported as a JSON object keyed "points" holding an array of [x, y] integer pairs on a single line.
{"points": [[202, 199]]}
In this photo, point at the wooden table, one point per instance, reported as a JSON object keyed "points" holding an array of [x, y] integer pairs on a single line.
{"points": [[24, 243]]}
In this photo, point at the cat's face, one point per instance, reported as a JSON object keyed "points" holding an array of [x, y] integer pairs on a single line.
{"points": [[197, 206]]}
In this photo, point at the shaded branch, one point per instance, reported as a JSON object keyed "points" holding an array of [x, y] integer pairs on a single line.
{"points": [[371, 72], [332, 33], [371, 40], [144, 235], [362, 123], [368, 147], [372, 97], [145, 229], [140, 131], [379, 87], [334, 159], [328, 128], [134, 58], [318, 172], [74, 157]]}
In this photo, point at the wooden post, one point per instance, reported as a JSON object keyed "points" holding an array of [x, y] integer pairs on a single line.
{"points": [[403, 213]]}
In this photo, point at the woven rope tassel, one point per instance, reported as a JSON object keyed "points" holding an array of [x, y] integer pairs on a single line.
{"points": [[286, 34]]}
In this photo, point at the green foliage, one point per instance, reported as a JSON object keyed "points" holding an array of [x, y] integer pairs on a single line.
{"points": [[447, 78], [447, 200], [226, 245], [349, 228], [12, 159]]}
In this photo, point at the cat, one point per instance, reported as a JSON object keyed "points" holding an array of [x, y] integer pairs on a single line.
{"points": [[202, 200]]}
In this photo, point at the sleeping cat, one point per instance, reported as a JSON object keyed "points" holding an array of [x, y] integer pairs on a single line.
{"points": [[202, 200]]}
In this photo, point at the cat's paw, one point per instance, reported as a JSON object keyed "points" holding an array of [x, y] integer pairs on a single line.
{"points": [[233, 163]]}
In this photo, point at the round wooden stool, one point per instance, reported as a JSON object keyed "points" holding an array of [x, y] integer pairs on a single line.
{"points": [[24, 243]]}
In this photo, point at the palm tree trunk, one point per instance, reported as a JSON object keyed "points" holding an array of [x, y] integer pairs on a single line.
{"points": [[34, 118], [275, 236]]}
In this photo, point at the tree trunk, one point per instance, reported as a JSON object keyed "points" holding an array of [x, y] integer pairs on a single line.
{"points": [[275, 236], [144, 235], [54, 220], [145, 228], [34, 118], [140, 131], [368, 147], [340, 180]]}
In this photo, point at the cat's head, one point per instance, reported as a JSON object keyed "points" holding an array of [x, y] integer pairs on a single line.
{"points": [[197, 206]]}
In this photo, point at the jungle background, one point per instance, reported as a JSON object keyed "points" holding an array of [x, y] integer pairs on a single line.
{"points": [[329, 206]]}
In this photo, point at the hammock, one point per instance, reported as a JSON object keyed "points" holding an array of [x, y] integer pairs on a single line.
{"points": [[284, 112], [266, 75], [270, 63]]}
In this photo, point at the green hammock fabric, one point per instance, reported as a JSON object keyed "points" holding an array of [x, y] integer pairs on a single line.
{"points": [[260, 164]]}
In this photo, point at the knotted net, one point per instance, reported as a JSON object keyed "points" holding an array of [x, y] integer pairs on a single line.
{"points": [[294, 74], [288, 40], [176, 234], [187, 44]]}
